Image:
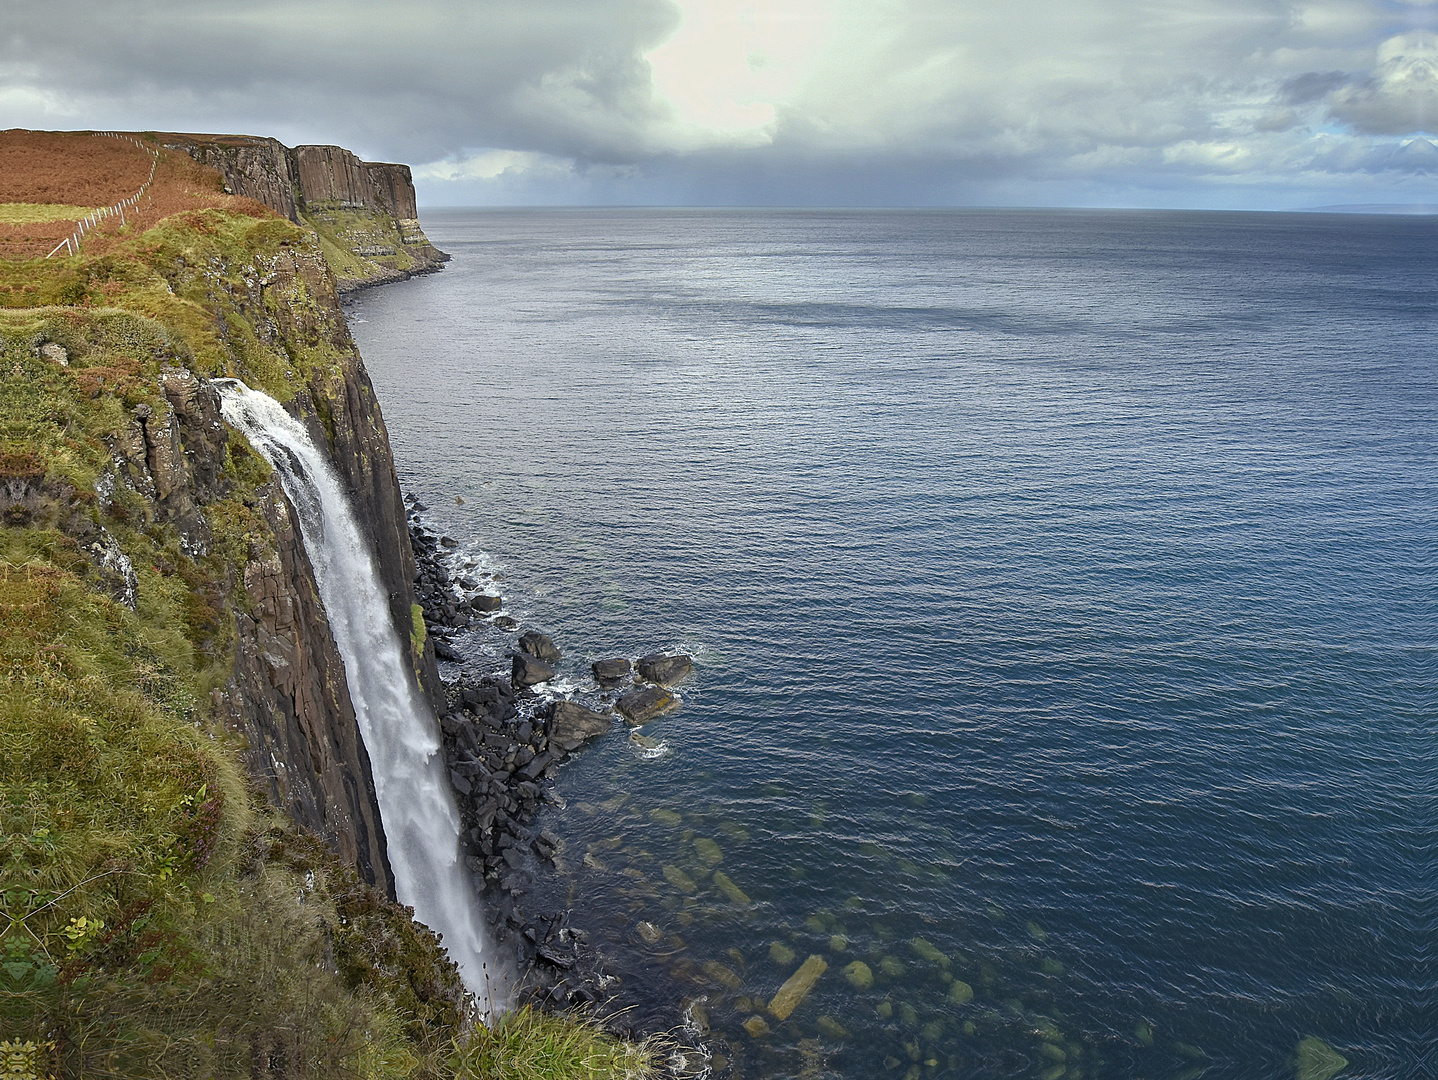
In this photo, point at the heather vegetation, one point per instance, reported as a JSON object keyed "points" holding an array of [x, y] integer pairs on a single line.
{"points": [[158, 917]]}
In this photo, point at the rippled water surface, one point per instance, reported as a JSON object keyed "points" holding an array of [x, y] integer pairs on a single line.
{"points": [[1062, 588]]}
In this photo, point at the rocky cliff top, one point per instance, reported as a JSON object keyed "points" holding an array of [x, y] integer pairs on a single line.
{"points": [[364, 210]]}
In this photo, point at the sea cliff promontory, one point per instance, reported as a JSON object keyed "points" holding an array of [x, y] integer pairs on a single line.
{"points": [[194, 878]]}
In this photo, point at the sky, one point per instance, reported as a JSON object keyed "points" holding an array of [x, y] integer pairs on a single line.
{"points": [[1241, 104]]}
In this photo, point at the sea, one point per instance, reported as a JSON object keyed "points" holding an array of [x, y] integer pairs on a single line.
{"points": [[1061, 587]]}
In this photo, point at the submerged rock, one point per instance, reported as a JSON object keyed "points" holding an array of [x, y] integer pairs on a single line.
{"points": [[540, 645], [860, 975], [678, 878], [664, 670], [649, 932], [797, 986], [780, 953], [831, 1028], [643, 705], [732, 891], [724, 976], [928, 952], [1314, 1059], [960, 993], [708, 850], [666, 817], [756, 1026]]}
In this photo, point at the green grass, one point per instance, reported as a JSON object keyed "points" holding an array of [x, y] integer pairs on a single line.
{"points": [[157, 918], [531, 1045]]}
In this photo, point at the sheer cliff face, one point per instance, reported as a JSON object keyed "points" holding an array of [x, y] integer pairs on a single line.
{"points": [[114, 464], [365, 210]]}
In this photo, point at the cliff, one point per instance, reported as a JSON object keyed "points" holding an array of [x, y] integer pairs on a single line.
{"points": [[363, 212], [143, 474], [193, 874]]}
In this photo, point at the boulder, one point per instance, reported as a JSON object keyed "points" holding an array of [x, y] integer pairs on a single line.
{"points": [[644, 704], [797, 986], [572, 724], [528, 670], [535, 768], [540, 645], [664, 670], [481, 602], [860, 975], [442, 651], [610, 671]]}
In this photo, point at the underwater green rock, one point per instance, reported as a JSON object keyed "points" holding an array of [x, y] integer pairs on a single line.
{"points": [[891, 966], [838, 943], [781, 954], [1143, 1032], [708, 850], [797, 986], [1051, 967], [885, 1009], [729, 889], [927, 951], [679, 879], [756, 1026], [960, 993], [1314, 1059], [1037, 932], [723, 975], [649, 932], [833, 1029], [860, 975], [665, 817]]}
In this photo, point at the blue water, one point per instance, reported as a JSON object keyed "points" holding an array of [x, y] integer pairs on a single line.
{"points": [[1062, 587]]}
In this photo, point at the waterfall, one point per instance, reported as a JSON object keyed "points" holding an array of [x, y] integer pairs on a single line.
{"points": [[400, 730]]}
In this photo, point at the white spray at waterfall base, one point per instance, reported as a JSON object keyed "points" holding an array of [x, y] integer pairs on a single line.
{"points": [[400, 730]]}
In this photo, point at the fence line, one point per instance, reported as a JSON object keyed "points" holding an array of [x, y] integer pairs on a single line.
{"points": [[71, 243]]}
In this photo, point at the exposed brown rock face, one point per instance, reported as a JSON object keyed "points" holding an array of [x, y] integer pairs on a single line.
{"points": [[318, 183]]}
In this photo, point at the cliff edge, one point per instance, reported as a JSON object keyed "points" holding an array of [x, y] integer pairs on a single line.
{"points": [[363, 212]]}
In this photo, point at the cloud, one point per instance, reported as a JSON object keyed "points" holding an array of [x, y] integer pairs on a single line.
{"points": [[1400, 96], [791, 101]]}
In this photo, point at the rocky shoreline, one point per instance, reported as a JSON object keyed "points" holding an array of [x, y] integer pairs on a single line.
{"points": [[503, 740]]}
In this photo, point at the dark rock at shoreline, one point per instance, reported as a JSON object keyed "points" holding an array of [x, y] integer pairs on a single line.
{"points": [[540, 645], [527, 670], [644, 704], [485, 603], [664, 670], [610, 671], [504, 622], [442, 651], [573, 724]]}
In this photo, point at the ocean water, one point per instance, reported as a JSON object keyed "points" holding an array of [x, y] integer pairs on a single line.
{"points": [[1062, 587]]}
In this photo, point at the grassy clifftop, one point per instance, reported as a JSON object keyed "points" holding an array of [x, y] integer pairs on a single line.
{"points": [[158, 916]]}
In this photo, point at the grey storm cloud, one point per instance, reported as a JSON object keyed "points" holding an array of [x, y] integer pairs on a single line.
{"points": [[779, 101]]}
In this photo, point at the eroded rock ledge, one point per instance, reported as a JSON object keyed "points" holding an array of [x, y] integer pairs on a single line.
{"points": [[364, 211]]}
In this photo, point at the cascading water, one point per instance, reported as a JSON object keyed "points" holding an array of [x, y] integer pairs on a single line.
{"points": [[399, 728]]}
